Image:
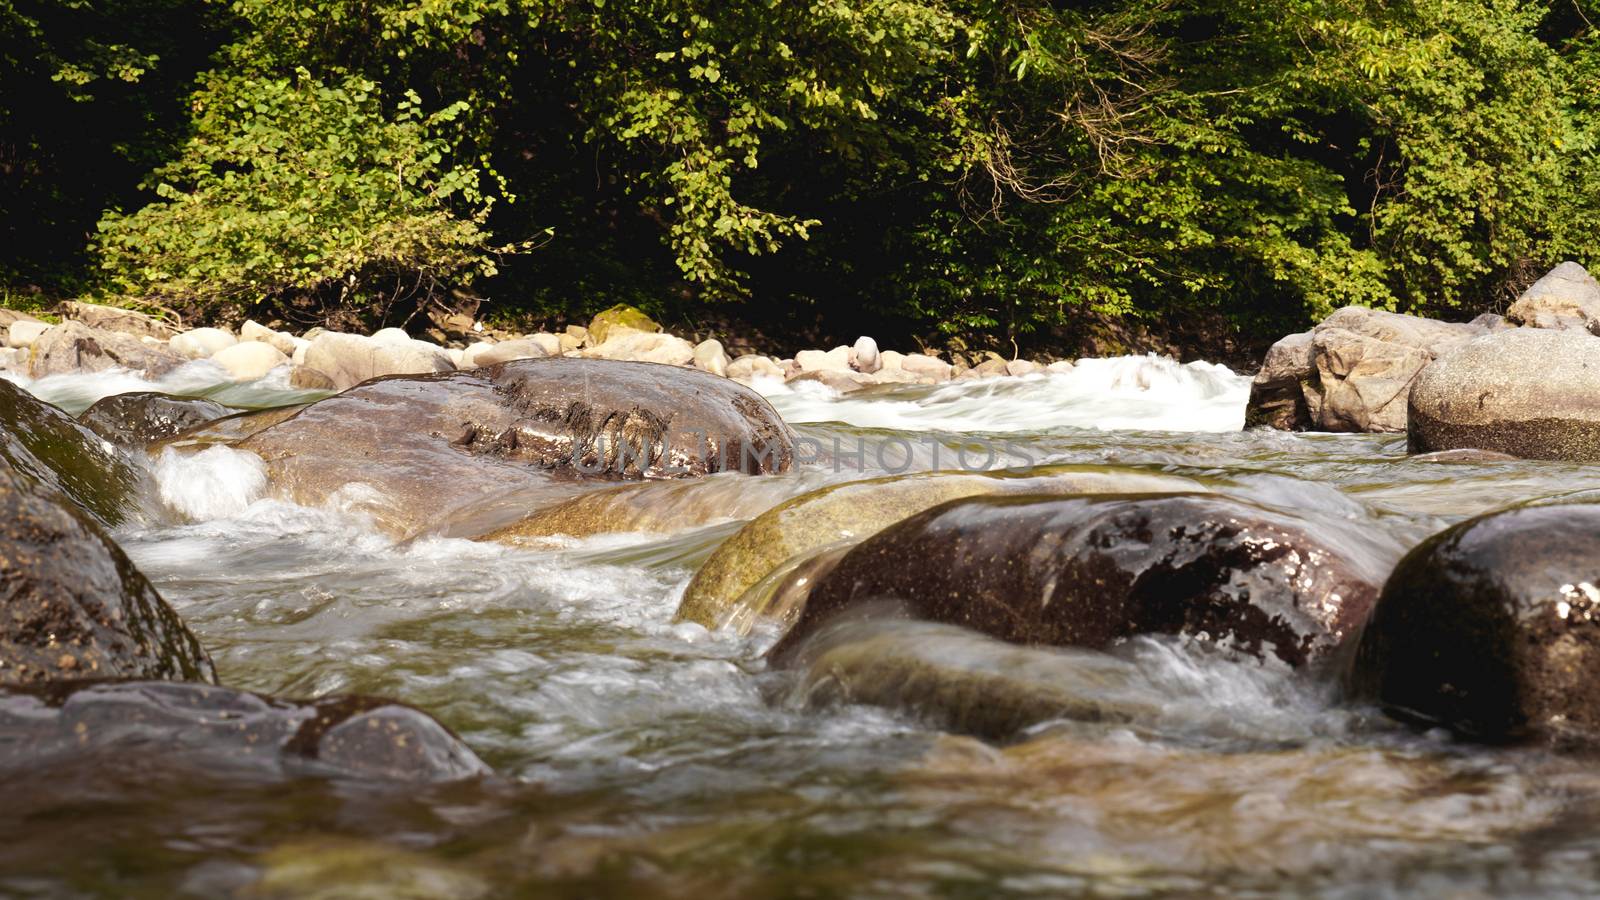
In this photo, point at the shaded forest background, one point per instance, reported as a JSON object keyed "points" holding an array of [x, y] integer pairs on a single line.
{"points": [[994, 171]]}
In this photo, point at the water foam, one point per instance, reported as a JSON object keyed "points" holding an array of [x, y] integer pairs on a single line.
{"points": [[215, 483], [77, 391], [1146, 393]]}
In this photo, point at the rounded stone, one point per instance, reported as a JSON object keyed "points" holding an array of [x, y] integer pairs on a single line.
{"points": [[201, 343]]}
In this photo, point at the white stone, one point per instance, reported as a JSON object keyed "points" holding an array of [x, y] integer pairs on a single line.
{"points": [[864, 355], [1021, 367], [506, 351], [395, 337], [349, 359], [710, 357], [644, 346], [469, 356], [457, 356], [255, 331], [1061, 366], [926, 367], [23, 333], [891, 361], [201, 343], [249, 360], [748, 368], [835, 360], [549, 343], [301, 348]]}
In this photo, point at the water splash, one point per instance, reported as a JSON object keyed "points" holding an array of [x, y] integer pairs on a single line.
{"points": [[1146, 393], [77, 391], [215, 483]]}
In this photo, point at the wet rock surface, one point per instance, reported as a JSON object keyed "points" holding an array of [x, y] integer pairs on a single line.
{"points": [[432, 444], [72, 605], [1092, 571], [217, 727], [43, 445], [140, 419], [1528, 392], [855, 510], [1492, 628]]}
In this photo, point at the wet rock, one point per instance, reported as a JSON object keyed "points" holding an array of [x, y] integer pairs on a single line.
{"points": [[1492, 628], [23, 333], [648, 507], [621, 317], [1567, 297], [49, 448], [249, 360], [430, 445], [845, 381], [75, 347], [710, 357], [1532, 393], [111, 318], [1352, 374], [140, 419], [1464, 456], [202, 343], [855, 510], [864, 355], [1093, 571], [223, 728], [72, 606], [349, 359], [305, 378]]}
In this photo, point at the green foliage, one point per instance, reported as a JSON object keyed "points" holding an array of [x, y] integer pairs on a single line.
{"points": [[935, 165], [294, 187]]}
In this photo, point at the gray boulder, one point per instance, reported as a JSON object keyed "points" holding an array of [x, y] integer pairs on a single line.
{"points": [[1567, 297], [75, 347], [1530, 392], [1351, 373]]}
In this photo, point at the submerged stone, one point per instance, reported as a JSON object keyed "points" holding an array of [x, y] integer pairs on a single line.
{"points": [[140, 419], [1492, 628], [220, 727], [1093, 571]]}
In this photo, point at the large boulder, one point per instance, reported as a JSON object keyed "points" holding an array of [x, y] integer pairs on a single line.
{"points": [[249, 360], [140, 419], [1567, 297], [349, 359], [112, 318], [72, 606], [1351, 373], [1093, 571], [856, 510], [1492, 628], [1529, 392], [75, 347], [49, 448], [216, 728], [433, 445]]}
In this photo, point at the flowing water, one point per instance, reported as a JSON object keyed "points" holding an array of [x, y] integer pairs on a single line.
{"points": [[640, 757]]}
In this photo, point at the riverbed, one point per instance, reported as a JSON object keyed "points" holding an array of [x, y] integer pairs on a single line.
{"points": [[640, 756]]}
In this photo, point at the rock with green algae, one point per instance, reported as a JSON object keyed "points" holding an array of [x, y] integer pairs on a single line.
{"points": [[45, 446], [856, 510], [339, 868], [621, 316]]}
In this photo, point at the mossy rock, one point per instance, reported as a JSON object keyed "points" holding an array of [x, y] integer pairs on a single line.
{"points": [[620, 316], [47, 447], [857, 510]]}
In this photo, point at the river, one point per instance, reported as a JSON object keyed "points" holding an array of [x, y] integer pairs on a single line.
{"points": [[641, 757]]}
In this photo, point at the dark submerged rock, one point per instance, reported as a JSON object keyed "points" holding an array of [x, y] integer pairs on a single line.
{"points": [[45, 446], [1532, 393], [72, 606], [1492, 628], [220, 727], [1091, 571], [435, 444], [140, 419]]}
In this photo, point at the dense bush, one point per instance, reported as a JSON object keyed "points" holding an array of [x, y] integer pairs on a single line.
{"points": [[955, 165]]}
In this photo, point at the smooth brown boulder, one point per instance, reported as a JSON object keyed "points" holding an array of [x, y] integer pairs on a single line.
{"points": [[1529, 392], [1351, 373], [434, 446], [142, 418], [72, 606], [1492, 628], [75, 347], [1092, 571], [49, 448], [163, 723]]}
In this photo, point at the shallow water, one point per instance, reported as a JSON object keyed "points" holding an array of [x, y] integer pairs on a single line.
{"points": [[642, 757]]}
